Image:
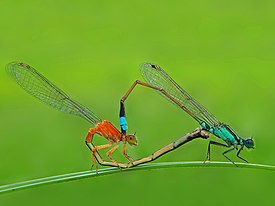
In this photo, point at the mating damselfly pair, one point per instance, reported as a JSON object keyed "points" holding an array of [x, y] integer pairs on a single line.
{"points": [[157, 79]]}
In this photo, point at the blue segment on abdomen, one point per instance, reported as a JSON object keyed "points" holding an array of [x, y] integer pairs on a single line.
{"points": [[205, 126], [123, 123]]}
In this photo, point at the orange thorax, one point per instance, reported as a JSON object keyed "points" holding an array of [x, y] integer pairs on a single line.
{"points": [[107, 130]]}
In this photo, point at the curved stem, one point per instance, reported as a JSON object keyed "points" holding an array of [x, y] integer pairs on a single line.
{"points": [[109, 171]]}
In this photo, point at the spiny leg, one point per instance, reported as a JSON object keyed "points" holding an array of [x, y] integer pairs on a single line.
{"points": [[238, 154], [168, 148], [125, 153], [108, 154], [90, 135], [230, 150], [208, 149], [95, 149], [91, 147], [94, 162], [104, 146]]}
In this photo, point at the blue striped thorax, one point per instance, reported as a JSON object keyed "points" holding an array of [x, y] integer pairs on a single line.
{"points": [[224, 132], [123, 124]]}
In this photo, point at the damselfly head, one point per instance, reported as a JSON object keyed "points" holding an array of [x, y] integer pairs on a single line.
{"points": [[249, 143], [132, 139]]}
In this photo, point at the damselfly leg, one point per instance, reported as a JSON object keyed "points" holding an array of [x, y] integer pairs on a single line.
{"points": [[211, 142], [44, 90], [224, 153], [238, 154], [198, 133], [160, 81]]}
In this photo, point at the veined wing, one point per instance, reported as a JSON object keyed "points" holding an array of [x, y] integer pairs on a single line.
{"points": [[40, 87], [157, 77]]}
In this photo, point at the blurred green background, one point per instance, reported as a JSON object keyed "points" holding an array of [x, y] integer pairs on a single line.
{"points": [[221, 52]]}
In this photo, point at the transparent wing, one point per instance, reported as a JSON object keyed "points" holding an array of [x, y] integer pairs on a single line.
{"points": [[157, 77], [40, 87]]}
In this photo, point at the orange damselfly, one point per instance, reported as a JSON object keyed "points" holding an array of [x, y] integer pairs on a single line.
{"points": [[41, 88]]}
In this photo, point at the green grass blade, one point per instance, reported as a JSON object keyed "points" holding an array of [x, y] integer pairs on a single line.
{"points": [[109, 171]]}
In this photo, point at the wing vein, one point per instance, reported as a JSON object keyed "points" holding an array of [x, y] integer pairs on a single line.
{"points": [[41, 88], [157, 77]]}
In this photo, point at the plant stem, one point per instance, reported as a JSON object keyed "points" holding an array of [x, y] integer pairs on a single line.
{"points": [[109, 171]]}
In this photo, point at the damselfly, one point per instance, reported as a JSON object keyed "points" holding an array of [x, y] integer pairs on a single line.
{"points": [[160, 81], [41, 88]]}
